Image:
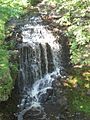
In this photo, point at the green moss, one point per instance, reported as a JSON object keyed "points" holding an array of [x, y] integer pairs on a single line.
{"points": [[14, 70], [8, 9], [6, 82]]}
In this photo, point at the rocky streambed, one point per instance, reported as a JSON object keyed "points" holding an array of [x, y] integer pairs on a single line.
{"points": [[55, 107]]}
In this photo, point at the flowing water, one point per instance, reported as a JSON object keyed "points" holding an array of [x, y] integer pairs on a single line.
{"points": [[43, 58], [40, 64]]}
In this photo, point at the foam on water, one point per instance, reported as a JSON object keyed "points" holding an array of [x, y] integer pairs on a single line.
{"points": [[40, 63]]}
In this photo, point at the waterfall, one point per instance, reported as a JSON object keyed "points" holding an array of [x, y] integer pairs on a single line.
{"points": [[40, 63]]}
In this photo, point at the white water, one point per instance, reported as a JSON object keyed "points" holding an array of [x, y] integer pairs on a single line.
{"points": [[39, 88], [36, 34], [33, 58]]}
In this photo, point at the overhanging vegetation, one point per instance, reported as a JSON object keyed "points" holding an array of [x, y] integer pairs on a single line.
{"points": [[8, 9]]}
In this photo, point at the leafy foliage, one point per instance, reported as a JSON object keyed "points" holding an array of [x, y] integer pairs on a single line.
{"points": [[75, 16], [6, 82], [8, 9]]}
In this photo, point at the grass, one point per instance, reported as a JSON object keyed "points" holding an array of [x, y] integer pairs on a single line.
{"points": [[79, 84], [80, 102]]}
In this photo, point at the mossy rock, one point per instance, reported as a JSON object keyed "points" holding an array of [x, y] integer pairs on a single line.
{"points": [[6, 82]]}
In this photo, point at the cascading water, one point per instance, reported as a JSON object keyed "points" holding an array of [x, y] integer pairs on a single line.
{"points": [[40, 64]]}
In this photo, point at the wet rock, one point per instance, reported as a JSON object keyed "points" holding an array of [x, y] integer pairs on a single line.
{"points": [[45, 97], [1, 114], [88, 92], [62, 101], [34, 114], [50, 91], [62, 117], [56, 84], [53, 76]]}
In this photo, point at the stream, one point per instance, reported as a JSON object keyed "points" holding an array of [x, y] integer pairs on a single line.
{"points": [[43, 62], [40, 65]]}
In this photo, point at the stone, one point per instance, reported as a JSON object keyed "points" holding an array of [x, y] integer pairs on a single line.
{"points": [[88, 92]]}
